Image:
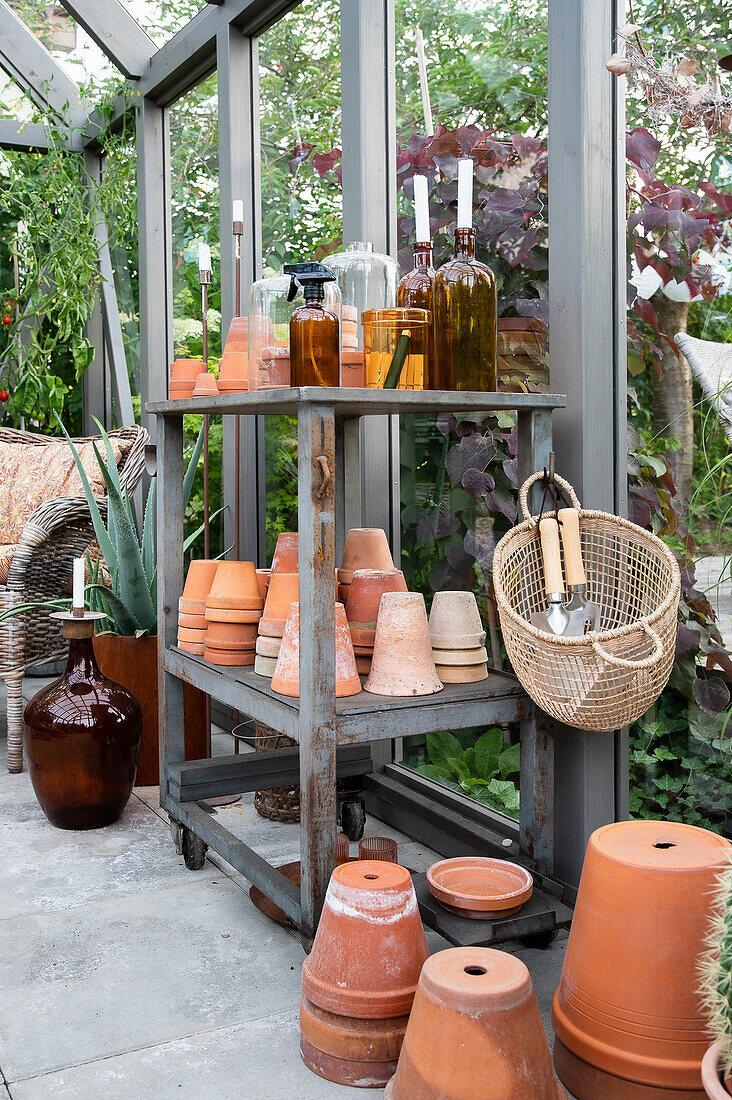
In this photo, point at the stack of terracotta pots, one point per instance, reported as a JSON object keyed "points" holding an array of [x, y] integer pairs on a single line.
{"points": [[275, 368], [475, 1033], [183, 375], [352, 361], [282, 590], [206, 385], [233, 610], [402, 662], [362, 609], [192, 605], [365, 548], [233, 368], [359, 980], [286, 678], [457, 637], [628, 1018], [349, 328]]}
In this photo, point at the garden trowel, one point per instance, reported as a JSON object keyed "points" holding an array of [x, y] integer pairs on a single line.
{"points": [[555, 619], [583, 614]]}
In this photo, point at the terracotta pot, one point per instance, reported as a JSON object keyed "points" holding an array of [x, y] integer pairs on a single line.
{"points": [[285, 557], [191, 634], [133, 662], [365, 548], [186, 370], [455, 621], [286, 680], [234, 364], [180, 394], [196, 622], [231, 615], [283, 590], [235, 587], [196, 648], [199, 578], [268, 647], [474, 1033], [711, 1072], [265, 666], [352, 366], [275, 366], [231, 635], [228, 657], [370, 944], [468, 674], [380, 848], [344, 591], [460, 658], [627, 1013], [366, 590], [480, 883], [363, 665], [349, 313], [363, 638], [361, 1053], [205, 385], [402, 662], [263, 576]]}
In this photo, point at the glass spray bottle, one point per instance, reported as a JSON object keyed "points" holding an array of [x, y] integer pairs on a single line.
{"points": [[314, 330]]}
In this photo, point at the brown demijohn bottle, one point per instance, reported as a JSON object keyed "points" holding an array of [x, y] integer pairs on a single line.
{"points": [[415, 292], [82, 739], [314, 330], [464, 314]]}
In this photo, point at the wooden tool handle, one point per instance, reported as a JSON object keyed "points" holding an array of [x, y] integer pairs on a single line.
{"points": [[569, 530], [549, 533]]}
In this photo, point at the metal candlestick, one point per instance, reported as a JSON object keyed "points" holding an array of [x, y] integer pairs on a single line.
{"points": [[238, 231], [204, 278]]}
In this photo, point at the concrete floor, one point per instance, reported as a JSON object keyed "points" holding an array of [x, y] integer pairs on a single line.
{"points": [[126, 977]]}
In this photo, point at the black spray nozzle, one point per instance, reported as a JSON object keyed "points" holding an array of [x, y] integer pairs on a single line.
{"points": [[311, 278]]}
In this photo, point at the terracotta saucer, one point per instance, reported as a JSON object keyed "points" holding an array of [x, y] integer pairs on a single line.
{"points": [[480, 884]]}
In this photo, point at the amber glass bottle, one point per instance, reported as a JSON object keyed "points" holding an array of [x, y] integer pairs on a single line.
{"points": [[83, 741], [464, 300], [314, 330], [415, 292]]}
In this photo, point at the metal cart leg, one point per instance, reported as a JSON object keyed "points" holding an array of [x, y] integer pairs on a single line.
{"points": [[316, 525], [537, 791]]}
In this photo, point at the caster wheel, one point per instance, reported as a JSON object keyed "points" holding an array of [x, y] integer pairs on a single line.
{"points": [[176, 831], [353, 819], [194, 850], [541, 940]]}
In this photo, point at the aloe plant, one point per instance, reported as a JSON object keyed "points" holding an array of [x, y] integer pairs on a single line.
{"points": [[716, 971]]}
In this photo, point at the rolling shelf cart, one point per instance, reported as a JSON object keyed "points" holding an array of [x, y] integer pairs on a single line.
{"points": [[329, 502]]}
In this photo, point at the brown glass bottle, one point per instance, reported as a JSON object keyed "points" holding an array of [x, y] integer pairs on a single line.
{"points": [[83, 742], [415, 292], [464, 299], [314, 345]]}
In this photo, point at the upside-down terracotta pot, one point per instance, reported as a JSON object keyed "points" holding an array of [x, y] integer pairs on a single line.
{"points": [[627, 1014], [191, 634], [231, 615], [199, 578], [235, 658], [234, 636], [455, 621], [283, 590], [186, 370], [205, 385], [352, 367], [365, 548], [465, 674], [474, 1033], [263, 576], [233, 368], [357, 1052], [402, 664], [196, 648], [235, 587], [370, 944], [198, 622], [286, 680], [344, 591], [364, 597], [268, 647], [265, 666], [285, 557]]}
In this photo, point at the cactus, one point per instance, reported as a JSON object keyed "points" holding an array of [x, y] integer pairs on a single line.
{"points": [[716, 971]]}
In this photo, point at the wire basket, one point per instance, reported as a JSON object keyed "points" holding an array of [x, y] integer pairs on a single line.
{"points": [[276, 803], [607, 678]]}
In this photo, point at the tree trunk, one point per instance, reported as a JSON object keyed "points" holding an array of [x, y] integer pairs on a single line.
{"points": [[673, 400]]}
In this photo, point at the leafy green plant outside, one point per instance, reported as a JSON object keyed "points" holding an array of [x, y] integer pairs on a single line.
{"points": [[482, 769]]}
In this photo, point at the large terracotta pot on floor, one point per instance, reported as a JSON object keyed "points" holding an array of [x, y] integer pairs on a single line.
{"points": [[133, 662], [474, 1033], [627, 1014]]}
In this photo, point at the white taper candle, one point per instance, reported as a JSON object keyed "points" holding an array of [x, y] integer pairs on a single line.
{"points": [[421, 210], [238, 210], [204, 257], [78, 588], [465, 194]]}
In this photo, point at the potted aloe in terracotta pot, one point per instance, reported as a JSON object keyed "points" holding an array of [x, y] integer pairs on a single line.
{"points": [[716, 990]]}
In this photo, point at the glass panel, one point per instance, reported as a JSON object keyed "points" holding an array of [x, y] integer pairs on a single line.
{"points": [[195, 218], [300, 127]]}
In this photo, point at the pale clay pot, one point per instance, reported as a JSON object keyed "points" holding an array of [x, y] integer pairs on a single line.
{"points": [[402, 664], [455, 621]]}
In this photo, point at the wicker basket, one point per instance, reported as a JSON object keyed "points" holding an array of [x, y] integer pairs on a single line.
{"points": [[610, 677], [276, 803]]}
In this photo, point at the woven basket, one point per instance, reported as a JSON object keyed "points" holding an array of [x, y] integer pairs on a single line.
{"points": [[276, 803], [610, 677]]}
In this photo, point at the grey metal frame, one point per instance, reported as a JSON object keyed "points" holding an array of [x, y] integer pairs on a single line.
{"points": [[318, 721]]}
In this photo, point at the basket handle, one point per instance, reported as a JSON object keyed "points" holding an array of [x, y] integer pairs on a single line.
{"points": [[524, 493], [623, 662]]}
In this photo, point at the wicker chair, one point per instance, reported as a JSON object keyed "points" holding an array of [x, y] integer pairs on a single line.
{"points": [[712, 367], [58, 531]]}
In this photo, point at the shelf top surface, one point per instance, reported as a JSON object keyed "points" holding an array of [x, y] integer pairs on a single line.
{"points": [[356, 402], [497, 685]]}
